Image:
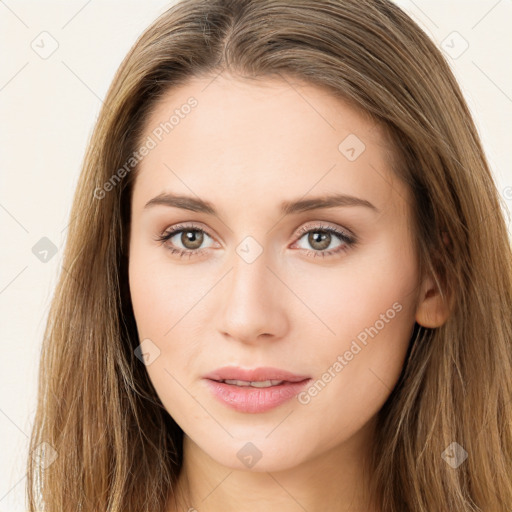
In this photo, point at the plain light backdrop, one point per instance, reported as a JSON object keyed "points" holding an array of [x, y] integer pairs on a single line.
{"points": [[49, 103]]}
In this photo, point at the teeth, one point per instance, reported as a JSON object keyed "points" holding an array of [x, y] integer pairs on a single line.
{"points": [[256, 384]]}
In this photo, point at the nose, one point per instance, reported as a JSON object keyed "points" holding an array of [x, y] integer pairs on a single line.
{"points": [[252, 305]]}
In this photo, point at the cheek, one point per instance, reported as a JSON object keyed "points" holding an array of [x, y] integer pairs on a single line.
{"points": [[169, 303], [163, 300], [150, 292], [371, 311], [162, 292]]}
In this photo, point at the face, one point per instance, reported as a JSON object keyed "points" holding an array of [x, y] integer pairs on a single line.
{"points": [[254, 271]]}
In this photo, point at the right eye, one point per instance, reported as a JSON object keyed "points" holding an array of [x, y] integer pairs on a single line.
{"points": [[190, 237]]}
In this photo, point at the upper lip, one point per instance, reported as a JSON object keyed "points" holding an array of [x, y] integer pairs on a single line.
{"points": [[254, 374]]}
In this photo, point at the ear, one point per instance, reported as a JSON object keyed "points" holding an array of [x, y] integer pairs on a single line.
{"points": [[433, 309]]}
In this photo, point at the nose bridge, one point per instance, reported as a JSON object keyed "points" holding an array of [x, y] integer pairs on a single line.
{"points": [[250, 305], [249, 278]]}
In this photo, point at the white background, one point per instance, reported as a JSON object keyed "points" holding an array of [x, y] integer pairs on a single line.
{"points": [[48, 108]]}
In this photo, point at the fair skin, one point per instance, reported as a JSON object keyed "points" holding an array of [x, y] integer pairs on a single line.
{"points": [[245, 148]]}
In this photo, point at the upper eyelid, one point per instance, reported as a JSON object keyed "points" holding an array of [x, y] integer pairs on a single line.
{"points": [[324, 225]]}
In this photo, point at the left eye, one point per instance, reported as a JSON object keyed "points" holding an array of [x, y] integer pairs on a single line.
{"points": [[321, 239]]}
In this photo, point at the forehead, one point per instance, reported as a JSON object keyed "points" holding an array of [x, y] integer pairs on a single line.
{"points": [[263, 138]]}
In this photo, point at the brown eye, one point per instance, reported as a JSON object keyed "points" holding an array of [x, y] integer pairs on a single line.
{"points": [[192, 239], [184, 240], [319, 240]]}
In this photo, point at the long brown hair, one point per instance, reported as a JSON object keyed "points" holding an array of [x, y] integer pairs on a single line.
{"points": [[108, 442]]}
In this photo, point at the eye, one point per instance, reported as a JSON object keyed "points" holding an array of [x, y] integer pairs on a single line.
{"points": [[321, 239], [190, 237]]}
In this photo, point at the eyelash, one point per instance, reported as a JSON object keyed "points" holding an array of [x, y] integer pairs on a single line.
{"points": [[348, 240]]}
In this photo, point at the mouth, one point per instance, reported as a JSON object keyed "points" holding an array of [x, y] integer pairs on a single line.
{"points": [[249, 393]]}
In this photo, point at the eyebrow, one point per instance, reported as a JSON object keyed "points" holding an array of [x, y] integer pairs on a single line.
{"points": [[286, 207]]}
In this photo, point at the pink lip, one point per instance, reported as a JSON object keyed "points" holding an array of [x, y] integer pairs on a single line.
{"points": [[251, 399]]}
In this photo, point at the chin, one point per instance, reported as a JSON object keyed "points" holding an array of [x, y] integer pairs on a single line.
{"points": [[256, 455]]}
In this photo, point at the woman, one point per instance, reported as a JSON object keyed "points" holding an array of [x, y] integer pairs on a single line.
{"points": [[290, 279]]}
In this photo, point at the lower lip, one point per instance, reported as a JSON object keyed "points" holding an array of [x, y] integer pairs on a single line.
{"points": [[254, 400]]}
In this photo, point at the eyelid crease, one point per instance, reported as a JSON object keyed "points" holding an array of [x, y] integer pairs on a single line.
{"points": [[342, 232]]}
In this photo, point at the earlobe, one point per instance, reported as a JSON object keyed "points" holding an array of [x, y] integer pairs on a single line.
{"points": [[433, 309]]}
